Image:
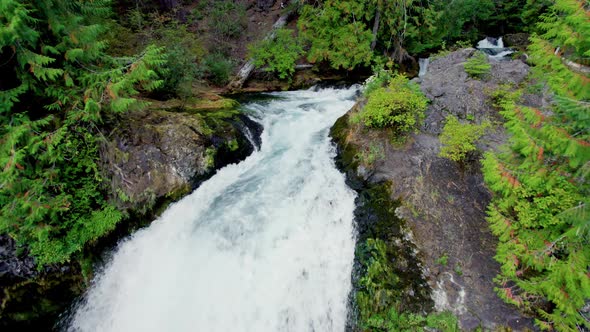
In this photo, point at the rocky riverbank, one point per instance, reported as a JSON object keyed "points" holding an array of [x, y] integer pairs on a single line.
{"points": [[441, 207], [150, 159]]}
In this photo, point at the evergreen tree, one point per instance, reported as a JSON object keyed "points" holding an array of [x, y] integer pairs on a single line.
{"points": [[540, 209], [60, 84]]}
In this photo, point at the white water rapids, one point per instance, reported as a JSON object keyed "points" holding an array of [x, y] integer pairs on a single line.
{"points": [[264, 245]]}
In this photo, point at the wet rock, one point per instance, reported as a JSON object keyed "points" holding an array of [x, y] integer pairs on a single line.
{"points": [[155, 155], [516, 40], [14, 267], [30, 299]]}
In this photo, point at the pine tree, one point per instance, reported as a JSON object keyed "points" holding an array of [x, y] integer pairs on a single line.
{"points": [[62, 85], [542, 192]]}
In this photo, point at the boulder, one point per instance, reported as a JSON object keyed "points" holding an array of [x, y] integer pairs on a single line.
{"points": [[452, 91], [157, 155]]}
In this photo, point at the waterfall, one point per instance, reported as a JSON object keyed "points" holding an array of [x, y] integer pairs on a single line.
{"points": [[494, 48], [264, 245], [423, 63]]}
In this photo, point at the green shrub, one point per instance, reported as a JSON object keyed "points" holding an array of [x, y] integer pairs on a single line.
{"points": [[182, 53], [458, 139], [379, 79], [279, 54], [217, 68], [400, 106], [478, 66]]}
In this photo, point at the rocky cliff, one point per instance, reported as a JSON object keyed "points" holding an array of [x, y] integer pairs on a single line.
{"points": [[442, 206], [150, 159]]}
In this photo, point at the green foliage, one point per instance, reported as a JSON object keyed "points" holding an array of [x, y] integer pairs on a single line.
{"points": [[278, 54], [443, 260], [378, 80], [478, 66], [378, 297], [400, 106], [183, 51], [61, 85], [217, 68], [458, 139], [540, 209], [210, 153], [233, 145], [334, 36], [227, 18]]}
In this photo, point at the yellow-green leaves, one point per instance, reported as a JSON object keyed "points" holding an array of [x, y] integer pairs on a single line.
{"points": [[399, 106], [458, 139], [478, 66]]}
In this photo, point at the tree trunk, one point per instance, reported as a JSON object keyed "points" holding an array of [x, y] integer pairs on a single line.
{"points": [[375, 28]]}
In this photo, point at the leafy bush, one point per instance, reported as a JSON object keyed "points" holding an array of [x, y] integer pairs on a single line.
{"points": [[400, 106], [279, 55], [182, 52], [458, 139], [478, 66], [335, 36], [378, 80], [217, 68]]}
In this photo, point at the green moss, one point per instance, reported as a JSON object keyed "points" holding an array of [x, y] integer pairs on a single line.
{"points": [[233, 145], [40, 299], [443, 260], [379, 296], [347, 154], [210, 153]]}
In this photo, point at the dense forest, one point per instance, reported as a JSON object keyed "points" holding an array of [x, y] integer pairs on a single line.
{"points": [[70, 68]]}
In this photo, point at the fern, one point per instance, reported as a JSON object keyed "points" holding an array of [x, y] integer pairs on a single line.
{"points": [[53, 199], [539, 211]]}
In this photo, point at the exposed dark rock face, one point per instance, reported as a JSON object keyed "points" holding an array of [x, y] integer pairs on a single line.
{"points": [[31, 299], [452, 91], [375, 218], [13, 267], [265, 4], [155, 155], [517, 40], [443, 205]]}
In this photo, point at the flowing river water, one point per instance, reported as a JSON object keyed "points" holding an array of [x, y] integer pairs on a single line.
{"points": [[264, 245]]}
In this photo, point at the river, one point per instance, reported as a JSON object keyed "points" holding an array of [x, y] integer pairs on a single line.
{"points": [[264, 245]]}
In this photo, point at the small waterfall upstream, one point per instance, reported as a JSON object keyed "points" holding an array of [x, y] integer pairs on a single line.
{"points": [[423, 63], [494, 48], [264, 245]]}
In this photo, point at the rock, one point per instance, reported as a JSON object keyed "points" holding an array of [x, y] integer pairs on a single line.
{"points": [[14, 267], [453, 92], [265, 5], [516, 40], [155, 155], [31, 299]]}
